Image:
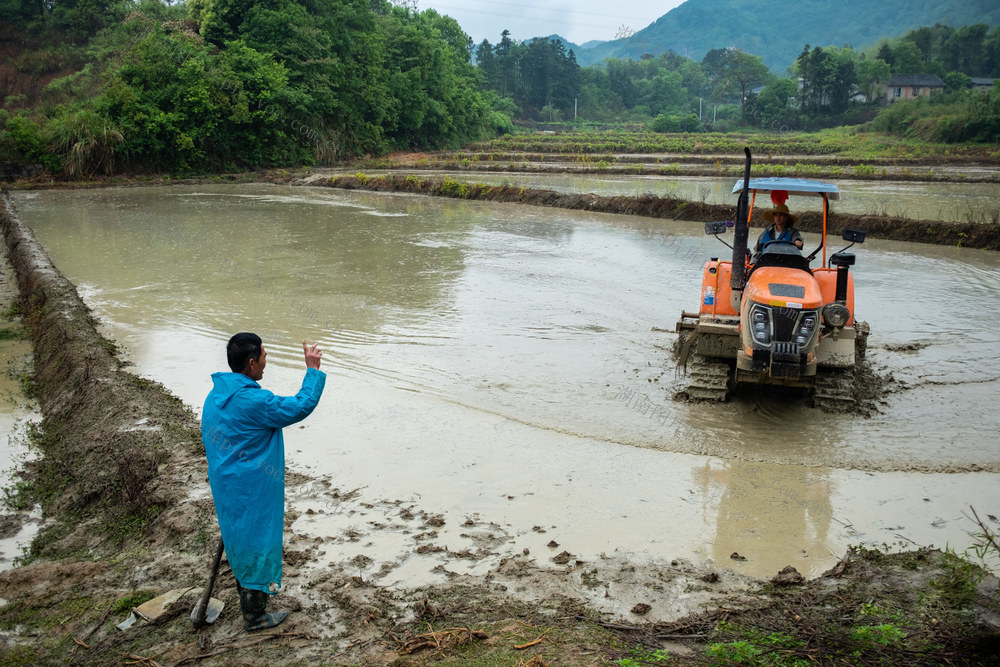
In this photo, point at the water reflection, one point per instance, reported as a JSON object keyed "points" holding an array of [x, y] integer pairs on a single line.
{"points": [[776, 514], [17, 528]]}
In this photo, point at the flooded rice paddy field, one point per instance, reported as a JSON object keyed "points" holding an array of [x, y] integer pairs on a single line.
{"points": [[950, 202], [512, 365]]}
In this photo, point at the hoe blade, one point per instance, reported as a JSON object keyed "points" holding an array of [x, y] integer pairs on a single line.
{"points": [[207, 615]]}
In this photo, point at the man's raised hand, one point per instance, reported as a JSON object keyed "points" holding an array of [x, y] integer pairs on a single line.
{"points": [[313, 355]]}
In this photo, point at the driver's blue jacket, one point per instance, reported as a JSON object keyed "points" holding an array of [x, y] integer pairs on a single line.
{"points": [[790, 234]]}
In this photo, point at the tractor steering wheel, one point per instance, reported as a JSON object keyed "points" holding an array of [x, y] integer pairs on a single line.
{"points": [[781, 241]]}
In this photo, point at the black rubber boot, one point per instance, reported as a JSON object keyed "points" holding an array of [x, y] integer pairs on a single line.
{"points": [[253, 603]]}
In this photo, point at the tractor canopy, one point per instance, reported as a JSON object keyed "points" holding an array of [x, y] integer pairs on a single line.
{"points": [[793, 186]]}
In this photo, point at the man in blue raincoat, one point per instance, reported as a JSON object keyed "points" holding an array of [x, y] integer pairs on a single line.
{"points": [[241, 429]]}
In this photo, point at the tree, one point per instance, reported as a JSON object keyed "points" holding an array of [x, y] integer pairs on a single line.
{"points": [[334, 54], [923, 38], [181, 107], [666, 93], [991, 46], [871, 73], [535, 74], [433, 103], [885, 54], [22, 12], [815, 70], [731, 71], [844, 80], [827, 79], [775, 103], [597, 99], [907, 59], [620, 77], [965, 50], [984, 117], [957, 81]]}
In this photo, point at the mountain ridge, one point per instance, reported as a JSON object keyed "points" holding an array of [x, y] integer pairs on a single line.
{"points": [[778, 31]]}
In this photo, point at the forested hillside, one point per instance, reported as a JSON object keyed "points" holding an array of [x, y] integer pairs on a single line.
{"points": [[112, 86], [224, 84], [730, 88], [776, 31]]}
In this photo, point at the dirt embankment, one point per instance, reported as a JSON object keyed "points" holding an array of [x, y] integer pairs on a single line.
{"points": [[968, 235]]}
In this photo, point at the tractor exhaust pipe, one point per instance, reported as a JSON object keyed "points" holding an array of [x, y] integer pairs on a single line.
{"points": [[841, 294], [843, 261], [738, 280]]}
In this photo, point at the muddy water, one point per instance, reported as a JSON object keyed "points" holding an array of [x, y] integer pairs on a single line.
{"points": [[510, 365], [951, 202], [15, 413]]}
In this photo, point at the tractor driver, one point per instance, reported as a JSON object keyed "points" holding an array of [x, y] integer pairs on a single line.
{"points": [[782, 229]]}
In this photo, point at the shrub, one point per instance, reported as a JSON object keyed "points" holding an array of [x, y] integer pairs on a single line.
{"points": [[85, 142]]}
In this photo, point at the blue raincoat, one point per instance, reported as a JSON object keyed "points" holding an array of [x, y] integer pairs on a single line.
{"points": [[241, 429], [790, 234]]}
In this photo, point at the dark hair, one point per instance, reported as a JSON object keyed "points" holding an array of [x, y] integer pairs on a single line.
{"points": [[241, 349]]}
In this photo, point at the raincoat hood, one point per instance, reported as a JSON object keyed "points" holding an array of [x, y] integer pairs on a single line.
{"points": [[226, 385]]}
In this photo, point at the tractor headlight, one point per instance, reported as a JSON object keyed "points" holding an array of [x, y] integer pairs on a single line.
{"points": [[806, 327], [835, 315], [760, 324]]}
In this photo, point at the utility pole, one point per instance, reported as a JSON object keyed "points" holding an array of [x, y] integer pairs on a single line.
{"points": [[575, 98]]}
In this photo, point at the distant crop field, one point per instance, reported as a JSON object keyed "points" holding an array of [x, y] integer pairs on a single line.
{"points": [[841, 142]]}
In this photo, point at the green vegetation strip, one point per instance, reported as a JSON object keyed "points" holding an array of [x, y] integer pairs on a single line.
{"points": [[687, 165], [969, 235], [843, 142]]}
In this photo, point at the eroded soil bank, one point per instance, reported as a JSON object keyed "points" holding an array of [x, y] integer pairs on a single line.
{"points": [[121, 479]]}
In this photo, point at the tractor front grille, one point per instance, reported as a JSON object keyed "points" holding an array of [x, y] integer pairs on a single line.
{"points": [[785, 352]]}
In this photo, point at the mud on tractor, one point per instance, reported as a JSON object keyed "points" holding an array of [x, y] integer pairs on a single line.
{"points": [[773, 319]]}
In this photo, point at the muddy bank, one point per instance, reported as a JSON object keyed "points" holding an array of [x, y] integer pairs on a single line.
{"points": [[968, 235]]}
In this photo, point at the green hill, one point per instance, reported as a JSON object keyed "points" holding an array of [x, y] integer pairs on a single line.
{"points": [[777, 31]]}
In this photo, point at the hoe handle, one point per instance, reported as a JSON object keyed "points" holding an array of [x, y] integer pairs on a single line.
{"points": [[201, 609]]}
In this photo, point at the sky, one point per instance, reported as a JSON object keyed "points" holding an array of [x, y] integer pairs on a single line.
{"points": [[578, 21]]}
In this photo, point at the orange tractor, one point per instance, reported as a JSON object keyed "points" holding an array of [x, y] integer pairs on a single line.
{"points": [[772, 319]]}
